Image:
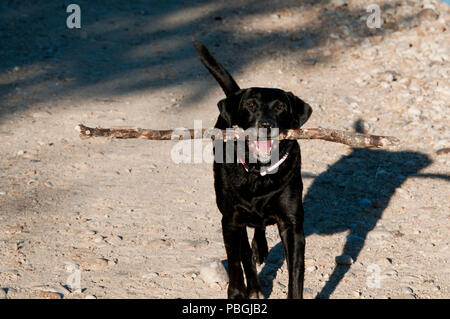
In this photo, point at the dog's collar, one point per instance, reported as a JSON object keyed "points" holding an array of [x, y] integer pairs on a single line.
{"points": [[266, 169]]}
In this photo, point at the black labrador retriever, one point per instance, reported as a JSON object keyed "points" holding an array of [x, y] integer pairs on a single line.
{"points": [[249, 194]]}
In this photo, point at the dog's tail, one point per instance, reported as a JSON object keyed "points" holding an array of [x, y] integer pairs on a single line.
{"points": [[226, 81]]}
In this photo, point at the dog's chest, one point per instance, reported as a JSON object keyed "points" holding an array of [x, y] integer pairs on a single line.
{"points": [[256, 210]]}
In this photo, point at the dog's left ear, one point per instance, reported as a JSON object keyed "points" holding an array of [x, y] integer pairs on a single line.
{"points": [[301, 111]]}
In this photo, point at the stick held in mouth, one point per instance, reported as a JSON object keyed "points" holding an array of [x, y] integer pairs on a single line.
{"points": [[338, 136]]}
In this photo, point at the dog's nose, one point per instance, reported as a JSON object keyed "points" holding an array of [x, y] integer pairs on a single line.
{"points": [[267, 124]]}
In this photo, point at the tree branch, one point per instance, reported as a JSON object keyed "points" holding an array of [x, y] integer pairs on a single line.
{"points": [[348, 138]]}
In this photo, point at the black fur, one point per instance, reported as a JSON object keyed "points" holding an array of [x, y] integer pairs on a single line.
{"points": [[247, 199]]}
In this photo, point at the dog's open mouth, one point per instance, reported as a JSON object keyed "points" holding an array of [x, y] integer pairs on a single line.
{"points": [[261, 149]]}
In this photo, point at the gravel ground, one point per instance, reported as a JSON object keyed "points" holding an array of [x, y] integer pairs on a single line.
{"points": [[102, 218]]}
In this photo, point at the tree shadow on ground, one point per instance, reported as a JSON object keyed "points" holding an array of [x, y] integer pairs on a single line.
{"points": [[351, 195], [126, 47]]}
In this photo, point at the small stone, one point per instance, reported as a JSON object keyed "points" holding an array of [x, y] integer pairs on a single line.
{"points": [[90, 297], [365, 202], [406, 296], [344, 260], [14, 230], [403, 193], [281, 284], [150, 275], [407, 290], [443, 151], [2, 193], [427, 14], [50, 295], [338, 3], [58, 289], [310, 61], [214, 273], [41, 115], [379, 234], [98, 238], [414, 86], [414, 112], [3, 293], [95, 263], [311, 268], [48, 184], [308, 293], [309, 262]]}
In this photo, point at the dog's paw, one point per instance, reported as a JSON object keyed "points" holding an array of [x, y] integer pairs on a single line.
{"points": [[255, 294], [235, 293]]}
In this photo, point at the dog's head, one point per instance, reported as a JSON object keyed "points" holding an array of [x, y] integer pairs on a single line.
{"points": [[263, 108]]}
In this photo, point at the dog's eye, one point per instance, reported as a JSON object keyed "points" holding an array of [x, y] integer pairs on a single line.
{"points": [[251, 106], [279, 106]]}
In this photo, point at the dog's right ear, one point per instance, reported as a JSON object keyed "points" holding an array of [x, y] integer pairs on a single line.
{"points": [[229, 107]]}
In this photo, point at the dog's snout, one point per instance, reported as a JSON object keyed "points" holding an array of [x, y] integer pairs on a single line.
{"points": [[267, 124]]}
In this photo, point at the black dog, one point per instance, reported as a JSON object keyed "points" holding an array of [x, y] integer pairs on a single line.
{"points": [[247, 197]]}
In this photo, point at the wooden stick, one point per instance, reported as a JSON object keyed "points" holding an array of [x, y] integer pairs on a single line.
{"points": [[348, 138]]}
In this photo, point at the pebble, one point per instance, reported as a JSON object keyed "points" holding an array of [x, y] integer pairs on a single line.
{"points": [[344, 260], [150, 275], [95, 263], [403, 193], [214, 273], [311, 268], [407, 290], [427, 14], [310, 61], [14, 230], [443, 151], [414, 112], [365, 202], [309, 262], [90, 297], [338, 3], [414, 86], [58, 289], [406, 296], [379, 234], [2, 293], [308, 293], [50, 295], [41, 115], [48, 184]]}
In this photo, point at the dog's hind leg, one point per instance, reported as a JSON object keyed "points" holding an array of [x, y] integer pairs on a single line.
{"points": [[251, 274], [259, 245]]}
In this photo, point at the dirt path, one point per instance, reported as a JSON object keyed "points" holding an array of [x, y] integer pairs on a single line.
{"points": [[134, 224]]}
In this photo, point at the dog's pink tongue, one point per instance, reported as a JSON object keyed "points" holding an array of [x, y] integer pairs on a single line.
{"points": [[263, 146]]}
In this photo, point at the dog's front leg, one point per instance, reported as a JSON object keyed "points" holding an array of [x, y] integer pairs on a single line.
{"points": [[291, 233], [232, 236]]}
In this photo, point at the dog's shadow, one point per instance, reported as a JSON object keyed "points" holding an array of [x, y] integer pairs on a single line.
{"points": [[350, 196]]}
